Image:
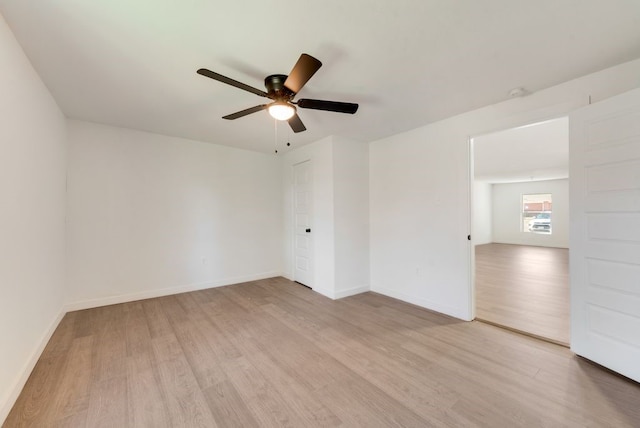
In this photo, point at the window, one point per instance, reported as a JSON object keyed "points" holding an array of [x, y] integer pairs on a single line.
{"points": [[536, 213]]}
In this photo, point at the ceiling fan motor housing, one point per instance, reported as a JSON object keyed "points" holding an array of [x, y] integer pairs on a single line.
{"points": [[276, 89]]}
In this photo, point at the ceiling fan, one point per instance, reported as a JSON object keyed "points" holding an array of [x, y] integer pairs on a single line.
{"points": [[282, 89]]}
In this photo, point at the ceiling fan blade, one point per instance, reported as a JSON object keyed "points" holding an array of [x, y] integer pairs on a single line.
{"points": [[296, 124], [245, 112], [336, 106], [224, 79], [302, 72]]}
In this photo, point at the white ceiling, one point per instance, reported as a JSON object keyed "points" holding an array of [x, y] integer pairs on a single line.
{"points": [[529, 153], [132, 63]]}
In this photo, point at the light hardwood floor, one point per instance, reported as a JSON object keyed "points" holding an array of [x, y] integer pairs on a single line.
{"points": [[525, 288], [273, 353]]}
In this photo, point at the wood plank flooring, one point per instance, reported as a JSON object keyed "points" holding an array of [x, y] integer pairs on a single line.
{"points": [[525, 288], [273, 353]]}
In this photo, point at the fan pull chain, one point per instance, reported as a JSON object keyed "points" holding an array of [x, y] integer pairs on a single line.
{"points": [[275, 141]]}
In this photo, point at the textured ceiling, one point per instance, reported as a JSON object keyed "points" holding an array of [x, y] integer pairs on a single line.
{"points": [[407, 63]]}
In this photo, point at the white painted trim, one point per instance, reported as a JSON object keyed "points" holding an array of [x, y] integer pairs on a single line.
{"points": [[288, 275], [351, 292], [471, 160], [427, 304], [326, 292], [123, 298], [24, 374]]}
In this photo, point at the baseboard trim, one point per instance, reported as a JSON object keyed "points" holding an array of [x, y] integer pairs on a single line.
{"points": [[27, 369], [351, 292], [150, 294], [288, 276], [335, 295], [427, 304], [324, 291]]}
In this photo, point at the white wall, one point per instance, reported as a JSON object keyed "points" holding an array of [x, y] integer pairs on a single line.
{"points": [[151, 215], [507, 206], [419, 190], [32, 187], [482, 228], [351, 204], [339, 221], [419, 218]]}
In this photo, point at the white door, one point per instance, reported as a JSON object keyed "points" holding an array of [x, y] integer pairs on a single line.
{"points": [[604, 162], [302, 257]]}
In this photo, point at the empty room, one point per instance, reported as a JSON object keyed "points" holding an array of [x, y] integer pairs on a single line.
{"points": [[262, 213], [520, 210]]}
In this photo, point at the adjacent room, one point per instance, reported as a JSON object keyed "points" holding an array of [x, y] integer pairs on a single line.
{"points": [[521, 229], [264, 213]]}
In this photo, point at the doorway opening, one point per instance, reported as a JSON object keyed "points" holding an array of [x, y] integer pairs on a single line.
{"points": [[520, 229]]}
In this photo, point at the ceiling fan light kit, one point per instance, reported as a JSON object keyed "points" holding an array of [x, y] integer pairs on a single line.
{"points": [[282, 89], [281, 111]]}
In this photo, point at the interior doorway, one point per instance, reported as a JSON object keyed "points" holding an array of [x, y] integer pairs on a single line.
{"points": [[520, 230], [302, 245]]}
